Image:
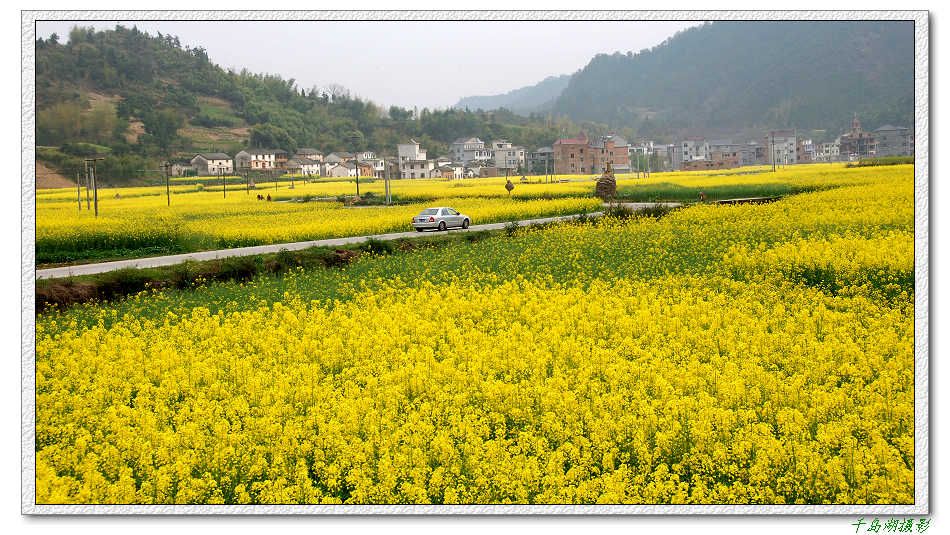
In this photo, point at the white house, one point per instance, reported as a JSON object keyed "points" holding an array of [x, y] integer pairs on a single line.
{"points": [[304, 166], [257, 159], [412, 160], [212, 163], [466, 149], [507, 156]]}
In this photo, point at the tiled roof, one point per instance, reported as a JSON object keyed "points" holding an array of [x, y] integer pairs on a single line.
{"points": [[576, 141], [214, 156]]}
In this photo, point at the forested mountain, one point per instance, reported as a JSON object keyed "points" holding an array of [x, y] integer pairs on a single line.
{"points": [[537, 98], [141, 98], [808, 74]]}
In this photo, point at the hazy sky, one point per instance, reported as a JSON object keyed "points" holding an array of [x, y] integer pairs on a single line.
{"points": [[404, 63]]}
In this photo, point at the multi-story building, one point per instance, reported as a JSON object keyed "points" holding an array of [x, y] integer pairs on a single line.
{"points": [[723, 149], [781, 146], [695, 148], [894, 141], [541, 160], [857, 144], [805, 151], [573, 156], [467, 149], [828, 152], [507, 156], [588, 157], [412, 160], [612, 149]]}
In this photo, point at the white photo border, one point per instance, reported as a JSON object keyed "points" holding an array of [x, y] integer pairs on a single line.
{"points": [[922, 451]]}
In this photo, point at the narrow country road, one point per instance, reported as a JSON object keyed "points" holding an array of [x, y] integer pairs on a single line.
{"points": [[156, 261]]}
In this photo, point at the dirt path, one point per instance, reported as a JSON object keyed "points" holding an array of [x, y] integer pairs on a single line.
{"points": [[46, 178]]}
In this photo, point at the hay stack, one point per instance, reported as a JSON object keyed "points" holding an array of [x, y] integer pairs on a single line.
{"points": [[606, 185]]}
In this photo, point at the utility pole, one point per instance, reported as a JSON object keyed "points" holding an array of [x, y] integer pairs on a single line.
{"points": [[168, 192], [772, 147], [386, 174], [88, 186], [95, 185], [356, 158]]}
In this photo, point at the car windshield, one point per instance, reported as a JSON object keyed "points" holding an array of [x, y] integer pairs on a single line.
{"points": [[429, 211]]}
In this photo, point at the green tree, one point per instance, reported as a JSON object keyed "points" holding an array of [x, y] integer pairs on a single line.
{"points": [[162, 126], [273, 137]]}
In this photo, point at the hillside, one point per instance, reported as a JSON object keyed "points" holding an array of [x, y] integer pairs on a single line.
{"points": [[140, 99], [734, 74], [532, 99]]}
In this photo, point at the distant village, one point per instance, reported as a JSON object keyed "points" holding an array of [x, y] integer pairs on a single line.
{"points": [[470, 157]]}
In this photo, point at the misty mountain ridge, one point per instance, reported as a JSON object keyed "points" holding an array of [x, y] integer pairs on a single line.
{"points": [[536, 98], [738, 74]]}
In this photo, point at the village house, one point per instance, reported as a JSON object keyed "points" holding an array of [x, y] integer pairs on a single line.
{"points": [[541, 160], [827, 152], [338, 157], [467, 149], [857, 144], [366, 169], [261, 159], [412, 160], [312, 154], [782, 146], [570, 157], [694, 148], [613, 149], [337, 170], [486, 172], [303, 166], [893, 141], [212, 163], [378, 165], [724, 149], [182, 169], [587, 157], [507, 156]]}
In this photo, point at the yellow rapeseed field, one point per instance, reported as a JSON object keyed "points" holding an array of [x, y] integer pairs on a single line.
{"points": [[723, 354]]}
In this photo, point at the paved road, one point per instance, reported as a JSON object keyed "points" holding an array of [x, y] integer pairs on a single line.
{"points": [[156, 261]]}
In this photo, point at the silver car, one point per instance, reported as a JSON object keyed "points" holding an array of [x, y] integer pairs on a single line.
{"points": [[439, 218]]}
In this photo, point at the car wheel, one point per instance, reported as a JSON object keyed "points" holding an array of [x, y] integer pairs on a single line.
{"points": [[465, 223], [418, 230], [442, 225]]}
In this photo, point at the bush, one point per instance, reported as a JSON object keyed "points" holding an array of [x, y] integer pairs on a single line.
{"points": [[476, 236], [238, 268], [618, 211], [377, 246], [184, 274], [656, 211], [125, 281], [511, 228]]}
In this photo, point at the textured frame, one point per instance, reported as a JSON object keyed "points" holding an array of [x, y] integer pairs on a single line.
{"points": [[921, 504]]}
